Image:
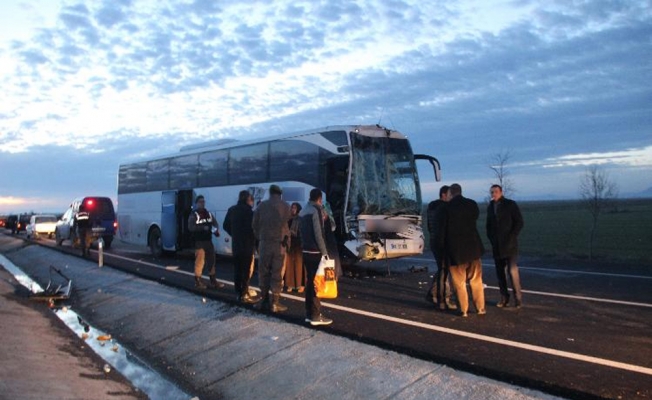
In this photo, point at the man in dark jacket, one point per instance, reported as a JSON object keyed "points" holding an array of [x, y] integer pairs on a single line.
{"points": [[463, 248], [504, 223], [313, 240], [270, 226], [439, 291], [237, 224], [203, 226]]}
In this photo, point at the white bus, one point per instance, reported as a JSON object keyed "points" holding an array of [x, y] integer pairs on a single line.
{"points": [[366, 173]]}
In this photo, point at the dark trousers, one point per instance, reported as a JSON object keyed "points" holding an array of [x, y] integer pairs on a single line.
{"points": [[440, 289], [504, 267], [271, 258], [85, 240], [241, 272], [313, 305]]}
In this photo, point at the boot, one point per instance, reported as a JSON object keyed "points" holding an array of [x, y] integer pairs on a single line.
{"points": [[264, 304], [198, 283], [214, 283], [276, 304], [450, 304]]}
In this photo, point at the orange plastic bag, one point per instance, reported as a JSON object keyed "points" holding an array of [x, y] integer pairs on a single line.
{"points": [[325, 282]]}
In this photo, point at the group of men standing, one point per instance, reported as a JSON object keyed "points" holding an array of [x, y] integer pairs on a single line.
{"points": [[267, 229], [457, 247]]}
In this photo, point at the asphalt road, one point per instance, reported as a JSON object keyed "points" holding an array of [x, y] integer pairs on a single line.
{"points": [[583, 332]]}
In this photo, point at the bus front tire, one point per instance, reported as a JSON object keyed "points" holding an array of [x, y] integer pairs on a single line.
{"points": [[154, 242]]}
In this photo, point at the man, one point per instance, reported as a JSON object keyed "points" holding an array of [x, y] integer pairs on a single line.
{"points": [[237, 223], [463, 248], [270, 225], [82, 224], [504, 223], [313, 239], [203, 226], [439, 291]]}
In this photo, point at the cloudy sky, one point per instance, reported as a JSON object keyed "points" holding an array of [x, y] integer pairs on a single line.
{"points": [[560, 85]]}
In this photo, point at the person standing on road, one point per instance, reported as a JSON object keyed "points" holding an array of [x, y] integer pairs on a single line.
{"points": [[440, 290], [463, 248], [504, 223], [237, 224], [82, 222], [203, 226], [294, 272], [270, 225], [313, 240]]}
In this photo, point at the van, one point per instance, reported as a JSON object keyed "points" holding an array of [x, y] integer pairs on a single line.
{"points": [[102, 218]]}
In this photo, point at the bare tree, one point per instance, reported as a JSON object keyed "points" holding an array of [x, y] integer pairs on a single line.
{"points": [[598, 193], [498, 164]]}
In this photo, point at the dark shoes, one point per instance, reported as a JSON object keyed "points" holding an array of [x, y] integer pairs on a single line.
{"points": [[276, 306], [504, 302], [198, 283], [320, 320], [518, 304], [214, 283]]}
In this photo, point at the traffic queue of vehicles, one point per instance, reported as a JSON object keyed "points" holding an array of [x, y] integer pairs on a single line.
{"points": [[103, 223]]}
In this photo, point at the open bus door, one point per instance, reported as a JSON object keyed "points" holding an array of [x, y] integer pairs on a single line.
{"points": [[176, 207]]}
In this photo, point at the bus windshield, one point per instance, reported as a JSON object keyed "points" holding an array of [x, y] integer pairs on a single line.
{"points": [[383, 177]]}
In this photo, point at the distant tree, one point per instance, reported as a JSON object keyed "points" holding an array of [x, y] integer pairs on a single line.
{"points": [[498, 164], [598, 193]]}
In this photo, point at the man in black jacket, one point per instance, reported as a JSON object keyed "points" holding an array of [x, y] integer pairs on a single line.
{"points": [[504, 223], [463, 248], [440, 290], [237, 224]]}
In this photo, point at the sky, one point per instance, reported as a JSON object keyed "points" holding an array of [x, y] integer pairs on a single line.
{"points": [[559, 85]]}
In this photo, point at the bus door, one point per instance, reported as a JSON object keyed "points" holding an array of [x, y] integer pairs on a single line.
{"points": [[184, 208], [169, 220]]}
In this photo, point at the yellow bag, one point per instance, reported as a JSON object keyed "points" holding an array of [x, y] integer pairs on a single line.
{"points": [[325, 282]]}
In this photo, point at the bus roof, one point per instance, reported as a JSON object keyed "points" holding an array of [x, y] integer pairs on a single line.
{"points": [[227, 143]]}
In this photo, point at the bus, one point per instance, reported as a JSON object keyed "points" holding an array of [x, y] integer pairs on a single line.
{"points": [[367, 174]]}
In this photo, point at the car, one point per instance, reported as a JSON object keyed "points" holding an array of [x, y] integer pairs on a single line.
{"points": [[101, 216], [11, 223], [43, 224], [23, 221]]}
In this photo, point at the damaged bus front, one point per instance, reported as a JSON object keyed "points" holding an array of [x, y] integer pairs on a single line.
{"points": [[383, 204]]}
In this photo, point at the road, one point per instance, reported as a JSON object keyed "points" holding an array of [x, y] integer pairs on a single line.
{"points": [[582, 333]]}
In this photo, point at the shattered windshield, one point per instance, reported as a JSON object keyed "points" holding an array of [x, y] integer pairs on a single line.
{"points": [[383, 177]]}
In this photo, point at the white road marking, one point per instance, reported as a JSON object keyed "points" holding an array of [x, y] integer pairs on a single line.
{"points": [[456, 332], [571, 296], [563, 271]]}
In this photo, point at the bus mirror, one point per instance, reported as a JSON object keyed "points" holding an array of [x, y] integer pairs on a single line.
{"points": [[434, 162]]}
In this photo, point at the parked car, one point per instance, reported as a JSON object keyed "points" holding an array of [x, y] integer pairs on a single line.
{"points": [[23, 221], [11, 223], [102, 219], [41, 225]]}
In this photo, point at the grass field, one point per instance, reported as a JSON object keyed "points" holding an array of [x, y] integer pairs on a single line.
{"points": [[561, 229]]}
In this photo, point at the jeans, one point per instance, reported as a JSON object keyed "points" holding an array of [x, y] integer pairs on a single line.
{"points": [[242, 272], [313, 305], [504, 267]]}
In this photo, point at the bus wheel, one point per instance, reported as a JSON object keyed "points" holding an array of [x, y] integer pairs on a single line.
{"points": [[154, 242]]}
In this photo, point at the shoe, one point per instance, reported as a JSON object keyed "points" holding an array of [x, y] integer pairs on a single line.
{"points": [[503, 303], [464, 314], [441, 306], [451, 305], [518, 304], [276, 306], [301, 289], [246, 299], [252, 293], [482, 312], [320, 320], [199, 284], [214, 283]]}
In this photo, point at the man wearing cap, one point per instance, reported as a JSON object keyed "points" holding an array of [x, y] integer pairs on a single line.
{"points": [[271, 229]]}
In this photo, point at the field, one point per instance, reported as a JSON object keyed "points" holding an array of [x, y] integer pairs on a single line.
{"points": [[560, 229]]}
